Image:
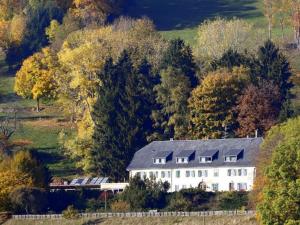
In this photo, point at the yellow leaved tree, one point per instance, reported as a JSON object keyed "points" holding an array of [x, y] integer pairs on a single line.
{"points": [[36, 78]]}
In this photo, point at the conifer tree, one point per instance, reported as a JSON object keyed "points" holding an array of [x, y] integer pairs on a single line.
{"points": [[272, 65], [171, 118], [121, 115], [180, 56]]}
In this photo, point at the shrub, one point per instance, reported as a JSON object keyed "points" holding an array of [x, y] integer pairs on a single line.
{"points": [[233, 200], [94, 205], [179, 203], [29, 200], [71, 213], [120, 206]]}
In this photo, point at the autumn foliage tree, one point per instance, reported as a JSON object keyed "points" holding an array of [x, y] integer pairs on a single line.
{"points": [[36, 78], [258, 108], [20, 170], [212, 103], [276, 187]]}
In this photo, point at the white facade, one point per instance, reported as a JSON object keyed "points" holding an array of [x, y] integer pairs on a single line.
{"points": [[209, 178]]}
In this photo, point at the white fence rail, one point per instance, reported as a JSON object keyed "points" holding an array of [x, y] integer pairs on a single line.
{"points": [[138, 214]]}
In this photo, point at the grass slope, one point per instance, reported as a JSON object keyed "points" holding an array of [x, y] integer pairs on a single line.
{"points": [[39, 128], [179, 18], [224, 220]]}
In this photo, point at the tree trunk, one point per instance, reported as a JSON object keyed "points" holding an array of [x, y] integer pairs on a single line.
{"points": [[270, 29], [282, 31], [37, 104]]}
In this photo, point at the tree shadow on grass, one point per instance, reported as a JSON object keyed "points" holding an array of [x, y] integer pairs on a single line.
{"points": [[94, 222], [181, 14]]}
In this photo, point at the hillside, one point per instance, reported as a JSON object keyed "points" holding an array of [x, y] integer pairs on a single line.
{"points": [[178, 18], [173, 18]]}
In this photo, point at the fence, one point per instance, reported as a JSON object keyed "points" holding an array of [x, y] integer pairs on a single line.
{"points": [[139, 214]]}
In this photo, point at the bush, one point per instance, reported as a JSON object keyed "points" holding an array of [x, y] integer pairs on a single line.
{"points": [[29, 200], [94, 205], [120, 206], [145, 194], [179, 203], [71, 213], [233, 200]]}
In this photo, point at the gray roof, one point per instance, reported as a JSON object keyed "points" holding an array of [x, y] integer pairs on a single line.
{"points": [[143, 159], [233, 152], [162, 154], [185, 153], [208, 153]]}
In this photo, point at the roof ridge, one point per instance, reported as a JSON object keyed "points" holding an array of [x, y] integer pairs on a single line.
{"points": [[216, 139]]}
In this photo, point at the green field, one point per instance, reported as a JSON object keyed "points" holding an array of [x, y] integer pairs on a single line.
{"points": [[179, 18], [224, 220], [39, 129]]}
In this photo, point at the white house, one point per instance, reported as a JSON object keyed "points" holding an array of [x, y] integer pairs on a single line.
{"points": [[213, 165]]}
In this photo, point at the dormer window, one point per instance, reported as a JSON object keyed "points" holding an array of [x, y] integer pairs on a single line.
{"points": [[205, 159], [162, 157], [234, 155], [182, 160], [185, 156], [230, 158], [208, 156]]}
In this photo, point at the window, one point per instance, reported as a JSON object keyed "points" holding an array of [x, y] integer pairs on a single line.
{"points": [[205, 159], [229, 172], [169, 174], [205, 173], [138, 174], [231, 186], [163, 174], [242, 186], [187, 173], [144, 175], [156, 174], [244, 172], [199, 173], [240, 172], [182, 160], [193, 173], [176, 187], [215, 187], [177, 173], [230, 158], [216, 172], [159, 161], [183, 186], [151, 175]]}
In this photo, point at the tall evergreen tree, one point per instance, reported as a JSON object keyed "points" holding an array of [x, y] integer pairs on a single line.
{"points": [[121, 115], [180, 56], [172, 94], [231, 59], [272, 65]]}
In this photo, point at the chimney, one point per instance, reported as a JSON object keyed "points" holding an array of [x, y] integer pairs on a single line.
{"points": [[256, 133]]}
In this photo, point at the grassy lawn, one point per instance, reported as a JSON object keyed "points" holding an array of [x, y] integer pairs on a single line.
{"points": [[179, 18], [41, 129], [224, 220]]}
